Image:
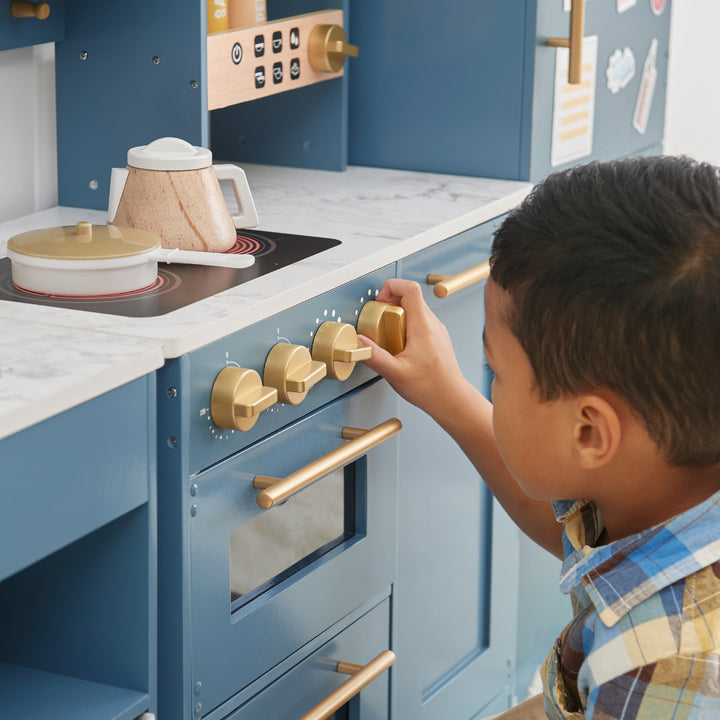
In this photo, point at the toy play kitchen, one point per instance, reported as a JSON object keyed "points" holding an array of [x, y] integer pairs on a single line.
{"points": [[239, 521]]}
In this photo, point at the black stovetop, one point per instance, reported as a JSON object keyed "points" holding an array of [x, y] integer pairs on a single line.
{"points": [[180, 285]]}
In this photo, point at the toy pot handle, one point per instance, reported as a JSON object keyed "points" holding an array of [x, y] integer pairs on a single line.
{"points": [[248, 216], [118, 177]]}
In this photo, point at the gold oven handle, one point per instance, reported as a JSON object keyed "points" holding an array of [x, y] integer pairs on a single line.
{"points": [[274, 490], [574, 42], [445, 285], [362, 676]]}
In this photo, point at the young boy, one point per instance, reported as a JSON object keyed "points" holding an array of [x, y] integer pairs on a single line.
{"points": [[603, 438]]}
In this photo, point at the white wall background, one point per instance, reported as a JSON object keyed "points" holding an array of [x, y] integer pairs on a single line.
{"points": [[28, 171]]}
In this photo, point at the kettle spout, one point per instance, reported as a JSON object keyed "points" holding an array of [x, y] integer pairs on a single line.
{"points": [[118, 176]]}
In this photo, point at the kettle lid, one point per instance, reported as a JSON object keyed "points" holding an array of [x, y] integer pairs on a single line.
{"points": [[169, 153]]}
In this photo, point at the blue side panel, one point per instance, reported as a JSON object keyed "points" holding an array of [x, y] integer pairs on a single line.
{"points": [[127, 73], [302, 128], [438, 86], [21, 32], [174, 499]]}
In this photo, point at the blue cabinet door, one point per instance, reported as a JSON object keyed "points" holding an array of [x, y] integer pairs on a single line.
{"points": [[624, 41], [438, 86], [453, 610]]}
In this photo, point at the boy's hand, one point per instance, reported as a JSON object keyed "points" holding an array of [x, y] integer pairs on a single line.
{"points": [[426, 371]]}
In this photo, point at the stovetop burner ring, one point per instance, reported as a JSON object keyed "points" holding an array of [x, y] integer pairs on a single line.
{"points": [[257, 245], [166, 282]]}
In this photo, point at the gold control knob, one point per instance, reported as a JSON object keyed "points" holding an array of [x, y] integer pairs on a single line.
{"points": [[238, 397], [292, 372], [336, 345], [328, 47], [383, 323]]}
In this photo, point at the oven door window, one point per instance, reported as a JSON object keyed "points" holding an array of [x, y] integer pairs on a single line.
{"points": [[280, 541]]}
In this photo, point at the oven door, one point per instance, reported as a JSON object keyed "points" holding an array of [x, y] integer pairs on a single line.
{"points": [[264, 582]]}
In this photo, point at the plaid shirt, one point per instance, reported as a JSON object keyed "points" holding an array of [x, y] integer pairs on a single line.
{"points": [[644, 643]]}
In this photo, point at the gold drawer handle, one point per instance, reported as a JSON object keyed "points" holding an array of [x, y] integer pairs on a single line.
{"points": [[274, 490], [362, 676], [445, 285], [574, 42]]}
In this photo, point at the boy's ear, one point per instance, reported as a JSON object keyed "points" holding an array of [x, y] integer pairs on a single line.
{"points": [[597, 431]]}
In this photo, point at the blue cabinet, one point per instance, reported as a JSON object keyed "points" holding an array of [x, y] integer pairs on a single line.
{"points": [[454, 602], [77, 567], [468, 86]]}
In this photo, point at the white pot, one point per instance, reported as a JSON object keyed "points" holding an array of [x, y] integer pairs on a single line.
{"points": [[85, 259]]}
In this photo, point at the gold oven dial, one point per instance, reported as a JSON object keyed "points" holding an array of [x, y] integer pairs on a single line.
{"points": [[291, 370], [384, 323], [336, 345], [238, 397]]}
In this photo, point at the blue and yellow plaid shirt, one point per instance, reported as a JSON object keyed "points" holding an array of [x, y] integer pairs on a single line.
{"points": [[644, 643]]}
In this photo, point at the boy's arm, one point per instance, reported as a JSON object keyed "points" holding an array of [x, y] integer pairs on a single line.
{"points": [[427, 375]]}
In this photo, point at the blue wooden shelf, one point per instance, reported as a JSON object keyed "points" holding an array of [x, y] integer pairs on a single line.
{"points": [[37, 695]]}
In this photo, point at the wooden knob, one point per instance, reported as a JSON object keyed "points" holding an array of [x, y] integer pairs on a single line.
{"points": [[26, 8]]}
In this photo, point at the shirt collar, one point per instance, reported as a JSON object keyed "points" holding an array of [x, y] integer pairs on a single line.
{"points": [[619, 576]]}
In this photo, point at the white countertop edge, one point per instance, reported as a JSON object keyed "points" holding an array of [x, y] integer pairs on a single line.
{"points": [[83, 389]]}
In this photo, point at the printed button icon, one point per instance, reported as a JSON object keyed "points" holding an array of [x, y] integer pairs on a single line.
{"points": [[259, 76], [294, 69], [277, 72], [259, 45], [236, 53], [277, 41], [295, 38]]}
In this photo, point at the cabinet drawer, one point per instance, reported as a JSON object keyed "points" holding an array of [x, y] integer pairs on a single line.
{"points": [[311, 681], [75, 472]]}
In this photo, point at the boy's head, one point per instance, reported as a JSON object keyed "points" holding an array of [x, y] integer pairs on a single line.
{"points": [[614, 274]]}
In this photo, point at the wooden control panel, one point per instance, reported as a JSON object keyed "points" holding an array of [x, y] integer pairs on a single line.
{"points": [[253, 62]]}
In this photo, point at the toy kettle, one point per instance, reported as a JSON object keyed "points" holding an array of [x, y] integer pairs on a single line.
{"points": [[172, 189]]}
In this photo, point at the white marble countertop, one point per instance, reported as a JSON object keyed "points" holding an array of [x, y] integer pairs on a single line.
{"points": [[379, 216], [46, 369]]}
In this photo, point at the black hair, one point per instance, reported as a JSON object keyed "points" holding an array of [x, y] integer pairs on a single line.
{"points": [[613, 270]]}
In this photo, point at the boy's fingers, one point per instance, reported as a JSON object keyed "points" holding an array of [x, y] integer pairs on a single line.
{"points": [[396, 290], [381, 360]]}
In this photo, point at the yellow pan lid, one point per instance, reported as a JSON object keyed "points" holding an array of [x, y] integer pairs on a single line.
{"points": [[84, 241]]}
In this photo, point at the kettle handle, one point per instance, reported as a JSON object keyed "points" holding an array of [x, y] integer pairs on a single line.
{"points": [[248, 216], [118, 177]]}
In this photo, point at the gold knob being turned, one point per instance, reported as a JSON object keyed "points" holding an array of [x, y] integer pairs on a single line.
{"points": [[383, 323], [291, 370], [238, 397], [328, 47], [336, 345]]}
